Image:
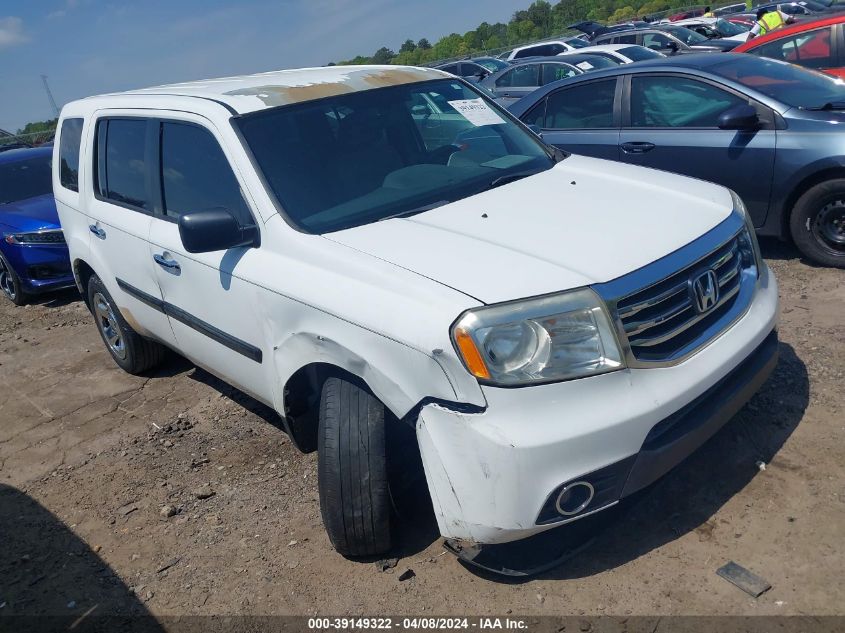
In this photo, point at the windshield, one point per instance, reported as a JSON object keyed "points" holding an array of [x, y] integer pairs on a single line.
{"points": [[25, 179], [492, 64], [640, 53], [789, 84], [687, 36], [593, 61], [577, 42], [356, 158], [729, 29]]}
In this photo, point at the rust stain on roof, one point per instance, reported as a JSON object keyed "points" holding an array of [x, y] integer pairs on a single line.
{"points": [[354, 81]]}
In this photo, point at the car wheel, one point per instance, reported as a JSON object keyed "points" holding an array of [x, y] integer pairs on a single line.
{"points": [[352, 469], [817, 223], [10, 284], [132, 352]]}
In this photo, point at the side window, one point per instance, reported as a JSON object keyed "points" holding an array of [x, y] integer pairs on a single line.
{"points": [[71, 137], [196, 175], [677, 102], [656, 41], [810, 49], [536, 115], [524, 76], [452, 69], [585, 106], [625, 39], [122, 169], [553, 72]]}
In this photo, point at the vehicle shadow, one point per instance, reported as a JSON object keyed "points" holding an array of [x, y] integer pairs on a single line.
{"points": [[52, 580], [686, 498], [779, 250], [57, 299]]}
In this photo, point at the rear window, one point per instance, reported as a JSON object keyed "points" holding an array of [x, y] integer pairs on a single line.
{"points": [[639, 53], [24, 179], [71, 136], [122, 166]]}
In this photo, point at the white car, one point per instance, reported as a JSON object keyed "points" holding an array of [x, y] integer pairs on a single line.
{"points": [[621, 53], [547, 49], [555, 331], [717, 28]]}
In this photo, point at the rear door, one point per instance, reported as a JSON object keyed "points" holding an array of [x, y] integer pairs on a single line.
{"points": [[670, 122], [120, 212], [583, 118], [819, 49], [516, 83]]}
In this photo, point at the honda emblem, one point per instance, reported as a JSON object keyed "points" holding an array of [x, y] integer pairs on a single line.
{"points": [[704, 288]]}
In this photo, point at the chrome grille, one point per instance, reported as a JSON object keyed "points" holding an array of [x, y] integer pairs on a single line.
{"points": [[656, 314]]}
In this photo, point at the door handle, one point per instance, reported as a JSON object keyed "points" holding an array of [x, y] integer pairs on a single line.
{"points": [[637, 147], [161, 260], [96, 230]]}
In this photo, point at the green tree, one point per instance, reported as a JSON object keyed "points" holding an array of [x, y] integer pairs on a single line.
{"points": [[39, 126], [408, 46], [383, 56], [424, 44]]}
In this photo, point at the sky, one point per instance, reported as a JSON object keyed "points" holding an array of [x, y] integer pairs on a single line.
{"points": [[88, 47]]}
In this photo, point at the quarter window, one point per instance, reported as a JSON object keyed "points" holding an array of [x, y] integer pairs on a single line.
{"points": [[196, 175], [588, 105], [123, 169], [810, 49], [71, 137], [678, 102]]}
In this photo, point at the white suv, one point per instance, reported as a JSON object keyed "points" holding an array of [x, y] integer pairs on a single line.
{"points": [[367, 249]]}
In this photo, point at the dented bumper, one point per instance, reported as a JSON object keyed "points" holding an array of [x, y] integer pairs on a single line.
{"points": [[494, 476]]}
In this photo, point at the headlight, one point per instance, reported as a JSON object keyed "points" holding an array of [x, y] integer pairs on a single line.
{"points": [[49, 236], [749, 248], [552, 338]]}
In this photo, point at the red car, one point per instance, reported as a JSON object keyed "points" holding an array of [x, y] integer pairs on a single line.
{"points": [[813, 44]]}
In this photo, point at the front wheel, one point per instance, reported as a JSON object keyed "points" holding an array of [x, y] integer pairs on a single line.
{"points": [[133, 353], [352, 469], [10, 283], [817, 223]]}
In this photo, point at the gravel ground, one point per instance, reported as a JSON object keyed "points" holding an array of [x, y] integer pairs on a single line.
{"points": [[175, 494]]}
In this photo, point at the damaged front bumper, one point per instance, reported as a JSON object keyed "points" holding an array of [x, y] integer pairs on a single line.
{"points": [[540, 457]]}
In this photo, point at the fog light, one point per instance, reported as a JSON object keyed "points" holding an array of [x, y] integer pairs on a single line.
{"points": [[574, 497]]}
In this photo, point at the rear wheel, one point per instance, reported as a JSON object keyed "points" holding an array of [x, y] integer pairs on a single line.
{"points": [[10, 284], [352, 469], [817, 223], [132, 352]]}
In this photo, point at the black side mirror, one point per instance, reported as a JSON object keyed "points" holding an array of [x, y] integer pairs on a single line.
{"points": [[536, 129], [741, 117], [672, 46], [215, 230]]}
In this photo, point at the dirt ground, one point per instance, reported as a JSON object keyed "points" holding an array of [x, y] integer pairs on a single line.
{"points": [[92, 462]]}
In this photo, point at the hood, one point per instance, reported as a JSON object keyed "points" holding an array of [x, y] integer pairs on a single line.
{"points": [[723, 44], [584, 221], [31, 214]]}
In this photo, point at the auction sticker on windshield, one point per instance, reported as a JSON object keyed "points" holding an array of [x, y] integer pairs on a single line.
{"points": [[476, 112]]}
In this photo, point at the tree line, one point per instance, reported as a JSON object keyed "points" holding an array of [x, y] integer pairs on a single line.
{"points": [[540, 20]]}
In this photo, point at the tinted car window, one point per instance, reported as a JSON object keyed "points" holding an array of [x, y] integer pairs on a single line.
{"points": [[588, 105], [373, 164], [125, 171], [810, 49], [621, 39], [656, 41], [577, 42], [196, 175], [792, 85], [25, 179], [677, 102], [523, 76], [688, 37], [639, 53], [450, 68], [71, 136], [553, 72]]}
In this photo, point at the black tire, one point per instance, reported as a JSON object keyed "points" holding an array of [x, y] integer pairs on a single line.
{"points": [[352, 469], [10, 284], [817, 223], [132, 352]]}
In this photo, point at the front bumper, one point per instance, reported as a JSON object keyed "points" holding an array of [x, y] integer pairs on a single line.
{"points": [[40, 268], [492, 475]]}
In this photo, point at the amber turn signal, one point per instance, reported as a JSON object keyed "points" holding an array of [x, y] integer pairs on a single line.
{"points": [[471, 355]]}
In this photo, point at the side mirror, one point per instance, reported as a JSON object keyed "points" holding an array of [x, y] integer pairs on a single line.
{"points": [[536, 129], [672, 46], [741, 117], [215, 230]]}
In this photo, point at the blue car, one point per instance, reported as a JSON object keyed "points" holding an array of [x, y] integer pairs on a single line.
{"points": [[33, 253], [771, 131]]}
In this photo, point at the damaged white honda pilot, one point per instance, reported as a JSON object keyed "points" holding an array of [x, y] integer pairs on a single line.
{"points": [[366, 247]]}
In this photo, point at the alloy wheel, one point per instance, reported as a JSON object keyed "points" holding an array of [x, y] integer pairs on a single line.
{"points": [[7, 283], [109, 328]]}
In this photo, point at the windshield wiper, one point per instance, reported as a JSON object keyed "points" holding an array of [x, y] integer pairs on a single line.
{"points": [[830, 105], [519, 175], [415, 211]]}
